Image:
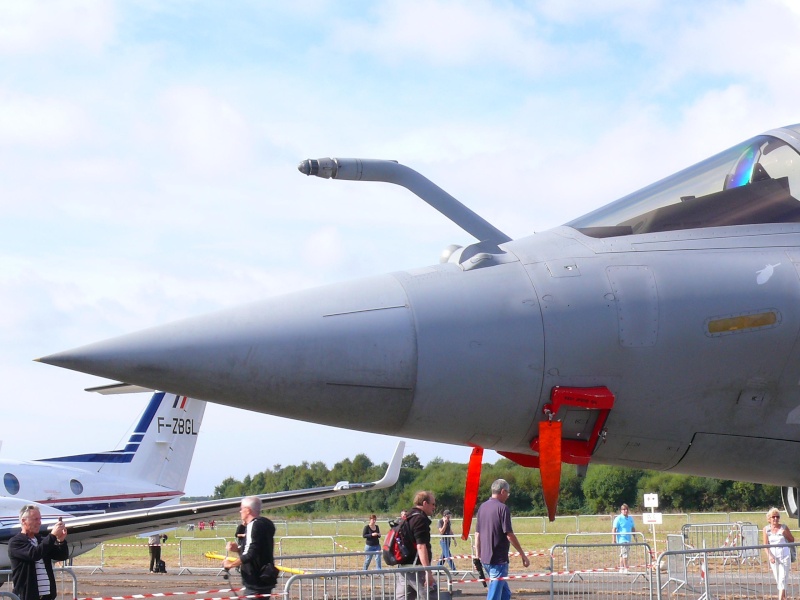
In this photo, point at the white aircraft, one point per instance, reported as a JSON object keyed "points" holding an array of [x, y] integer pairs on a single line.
{"points": [[150, 470], [85, 532]]}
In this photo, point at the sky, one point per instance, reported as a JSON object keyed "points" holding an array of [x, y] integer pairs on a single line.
{"points": [[148, 154]]}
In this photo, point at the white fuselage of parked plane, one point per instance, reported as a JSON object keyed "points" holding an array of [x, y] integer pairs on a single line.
{"points": [[149, 471], [79, 491], [85, 532]]}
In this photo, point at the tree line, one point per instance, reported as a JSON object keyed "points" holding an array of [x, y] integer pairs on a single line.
{"points": [[602, 490]]}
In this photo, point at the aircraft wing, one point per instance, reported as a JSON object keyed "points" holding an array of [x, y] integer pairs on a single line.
{"points": [[93, 529]]}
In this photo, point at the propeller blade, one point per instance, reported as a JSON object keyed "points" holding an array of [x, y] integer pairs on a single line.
{"points": [[471, 488], [550, 463]]}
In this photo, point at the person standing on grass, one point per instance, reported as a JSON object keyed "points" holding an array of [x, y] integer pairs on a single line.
{"points": [[372, 538], [446, 531], [623, 527]]}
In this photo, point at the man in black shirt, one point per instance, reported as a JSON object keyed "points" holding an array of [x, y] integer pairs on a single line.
{"points": [[411, 586], [256, 556], [32, 555]]}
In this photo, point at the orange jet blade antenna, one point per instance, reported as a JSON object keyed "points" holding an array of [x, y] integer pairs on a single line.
{"points": [[471, 489], [550, 461]]}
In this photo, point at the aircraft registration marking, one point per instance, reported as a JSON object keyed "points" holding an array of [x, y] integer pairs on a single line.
{"points": [[177, 425]]}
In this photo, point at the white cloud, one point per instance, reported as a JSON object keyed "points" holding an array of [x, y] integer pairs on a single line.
{"points": [[323, 247], [38, 121], [447, 33], [577, 11], [37, 27], [206, 131]]}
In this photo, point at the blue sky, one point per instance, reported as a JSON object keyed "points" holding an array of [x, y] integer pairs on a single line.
{"points": [[148, 156]]}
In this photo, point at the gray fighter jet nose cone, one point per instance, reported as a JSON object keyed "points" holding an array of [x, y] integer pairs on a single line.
{"points": [[319, 355]]}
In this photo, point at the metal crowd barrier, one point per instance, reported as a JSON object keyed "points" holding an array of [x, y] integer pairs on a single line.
{"points": [[344, 561], [191, 554], [567, 570], [713, 535], [592, 570], [460, 550], [94, 568], [732, 536], [362, 585], [562, 524], [600, 538], [676, 564], [56, 571], [323, 563], [693, 574]]}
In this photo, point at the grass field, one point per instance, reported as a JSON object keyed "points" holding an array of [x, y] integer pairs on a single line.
{"points": [[187, 548]]}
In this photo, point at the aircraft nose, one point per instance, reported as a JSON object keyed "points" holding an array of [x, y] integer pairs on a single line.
{"points": [[386, 355], [327, 355]]}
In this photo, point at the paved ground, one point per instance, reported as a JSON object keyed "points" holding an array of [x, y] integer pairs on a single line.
{"points": [[123, 582], [120, 582]]}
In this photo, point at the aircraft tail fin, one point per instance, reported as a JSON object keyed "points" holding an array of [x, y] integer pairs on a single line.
{"points": [[159, 450]]}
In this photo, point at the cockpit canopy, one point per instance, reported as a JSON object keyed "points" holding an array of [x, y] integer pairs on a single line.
{"points": [[748, 184]]}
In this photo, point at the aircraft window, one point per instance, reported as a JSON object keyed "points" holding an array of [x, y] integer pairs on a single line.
{"points": [[76, 487], [748, 184], [12, 484]]}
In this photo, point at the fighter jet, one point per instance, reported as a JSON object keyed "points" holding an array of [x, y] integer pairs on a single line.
{"points": [[659, 332]]}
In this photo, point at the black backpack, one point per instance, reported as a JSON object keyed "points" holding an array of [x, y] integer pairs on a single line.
{"points": [[399, 547]]}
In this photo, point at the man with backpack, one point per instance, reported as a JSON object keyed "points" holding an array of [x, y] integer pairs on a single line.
{"points": [[410, 586]]}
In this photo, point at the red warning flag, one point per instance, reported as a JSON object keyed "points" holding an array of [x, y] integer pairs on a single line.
{"points": [[550, 463], [471, 489]]}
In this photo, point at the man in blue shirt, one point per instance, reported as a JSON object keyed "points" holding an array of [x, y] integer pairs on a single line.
{"points": [[622, 528]]}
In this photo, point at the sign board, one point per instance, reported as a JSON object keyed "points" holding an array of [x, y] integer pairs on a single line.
{"points": [[653, 518], [651, 500]]}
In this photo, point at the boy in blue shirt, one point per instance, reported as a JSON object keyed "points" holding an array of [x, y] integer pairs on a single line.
{"points": [[622, 528]]}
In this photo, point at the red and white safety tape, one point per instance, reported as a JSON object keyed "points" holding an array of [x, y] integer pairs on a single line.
{"points": [[534, 575], [235, 597], [136, 545]]}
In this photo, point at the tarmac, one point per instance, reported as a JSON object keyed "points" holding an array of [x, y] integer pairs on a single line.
{"points": [[126, 582], [116, 583]]}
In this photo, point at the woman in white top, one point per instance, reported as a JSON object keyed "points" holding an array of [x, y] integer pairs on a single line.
{"points": [[779, 536]]}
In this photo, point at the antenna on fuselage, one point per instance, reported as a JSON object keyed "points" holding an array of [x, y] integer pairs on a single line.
{"points": [[389, 171]]}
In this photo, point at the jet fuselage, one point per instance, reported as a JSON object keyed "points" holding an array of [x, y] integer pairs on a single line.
{"points": [[680, 300]]}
